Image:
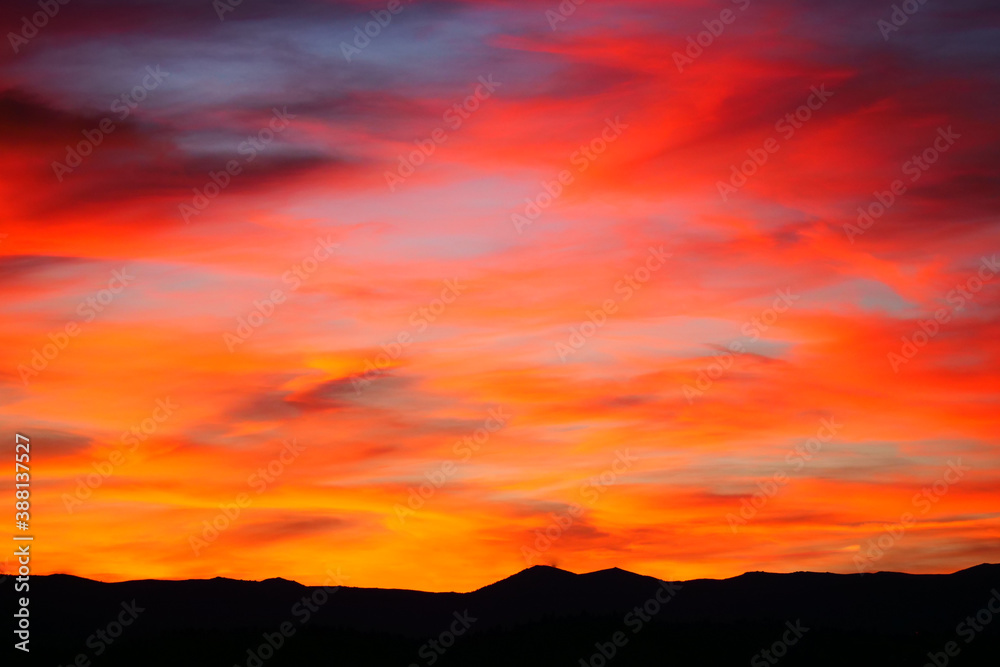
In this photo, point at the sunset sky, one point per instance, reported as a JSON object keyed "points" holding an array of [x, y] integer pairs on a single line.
{"points": [[626, 287]]}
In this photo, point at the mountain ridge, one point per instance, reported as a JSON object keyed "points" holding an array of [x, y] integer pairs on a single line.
{"points": [[616, 571]]}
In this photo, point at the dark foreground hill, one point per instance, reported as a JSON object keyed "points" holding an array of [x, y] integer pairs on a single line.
{"points": [[541, 616]]}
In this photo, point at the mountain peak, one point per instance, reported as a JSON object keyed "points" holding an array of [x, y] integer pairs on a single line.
{"points": [[534, 577], [280, 581], [982, 568], [612, 572], [542, 573], [544, 568]]}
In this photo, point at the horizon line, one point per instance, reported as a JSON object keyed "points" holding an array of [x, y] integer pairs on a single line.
{"points": [[522, 571]]}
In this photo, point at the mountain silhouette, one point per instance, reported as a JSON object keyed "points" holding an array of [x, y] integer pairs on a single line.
{"points": [[539, 616]]}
